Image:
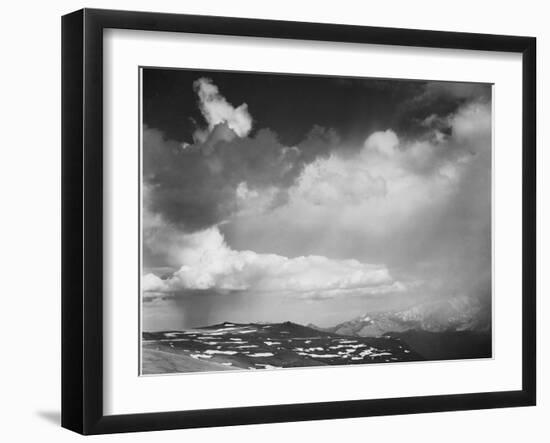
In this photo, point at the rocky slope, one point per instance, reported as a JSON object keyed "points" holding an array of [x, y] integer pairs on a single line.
{"points": [[264, 346]]}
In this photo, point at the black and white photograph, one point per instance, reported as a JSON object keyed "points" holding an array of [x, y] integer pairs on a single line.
{"points": [[302, 221], [267, 222]]}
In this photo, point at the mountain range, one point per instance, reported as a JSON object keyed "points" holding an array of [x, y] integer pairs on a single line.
{"points": [[456, 314], [452, 329], [448, 329]]}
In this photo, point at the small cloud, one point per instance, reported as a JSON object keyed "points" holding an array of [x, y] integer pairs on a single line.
{"points": [[153, 284], [217, 110], [385, 142]]}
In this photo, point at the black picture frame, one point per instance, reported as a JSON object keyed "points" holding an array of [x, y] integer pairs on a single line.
{"points": [[82, 221]]}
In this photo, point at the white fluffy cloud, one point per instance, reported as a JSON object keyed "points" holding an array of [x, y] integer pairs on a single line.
{"points": [[338, 181], [150, 283], [388, 183], [216, 110], [372, 193], [209, 263]]}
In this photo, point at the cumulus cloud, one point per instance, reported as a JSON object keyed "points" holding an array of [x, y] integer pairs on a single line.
{"points": [[380, 187], [398, 177], [151, 283], [217, 110], [421, 206], [194, 186], [337, 181], [209, 263]]}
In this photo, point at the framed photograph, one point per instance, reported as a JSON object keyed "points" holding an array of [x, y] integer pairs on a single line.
{"points": [[269, 221]]}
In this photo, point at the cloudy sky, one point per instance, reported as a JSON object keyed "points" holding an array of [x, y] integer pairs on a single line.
{"points": [[311, 199]]}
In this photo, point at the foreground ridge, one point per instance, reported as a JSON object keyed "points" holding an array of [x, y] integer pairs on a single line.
{"points": [[252, 346]]}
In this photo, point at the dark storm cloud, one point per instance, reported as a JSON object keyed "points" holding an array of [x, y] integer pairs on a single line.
{"points": [[194, 186], [462, 91], [428, 103]]}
